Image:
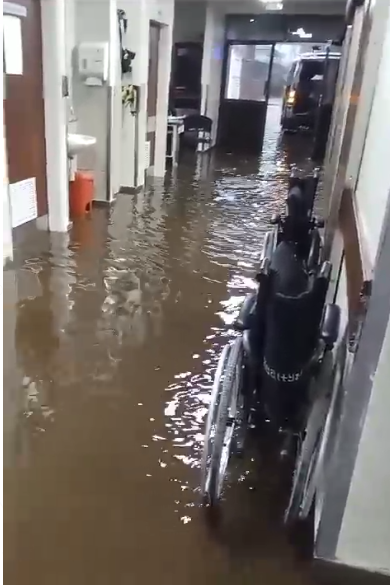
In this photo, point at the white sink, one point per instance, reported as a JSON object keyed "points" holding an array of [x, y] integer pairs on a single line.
{"points": [[79, 142]]}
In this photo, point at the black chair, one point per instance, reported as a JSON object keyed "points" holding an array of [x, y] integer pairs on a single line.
{"points": [[201, 126]]}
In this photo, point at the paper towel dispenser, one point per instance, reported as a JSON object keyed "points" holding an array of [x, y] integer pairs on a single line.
{"points": [[93, 62]]}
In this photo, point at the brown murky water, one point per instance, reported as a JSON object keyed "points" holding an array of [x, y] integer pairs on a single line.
{"points": [[111, 339]]}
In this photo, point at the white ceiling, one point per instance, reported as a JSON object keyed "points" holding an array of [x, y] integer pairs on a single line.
{"points": [[257, 6]]}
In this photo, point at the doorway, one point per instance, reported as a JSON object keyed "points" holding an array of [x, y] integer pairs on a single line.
{"points": [[154, 42], [24, 110], [245, 94], [283, 59]]}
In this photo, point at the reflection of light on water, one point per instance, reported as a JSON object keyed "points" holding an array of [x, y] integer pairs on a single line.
{"points": [[238, 219]]}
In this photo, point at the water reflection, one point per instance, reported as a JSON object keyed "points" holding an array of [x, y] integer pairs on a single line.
{"points": [[116, 340]]}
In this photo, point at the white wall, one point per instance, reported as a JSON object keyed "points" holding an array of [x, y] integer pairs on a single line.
{"points": [[373, 186], [365, 533], [364, 536], [54, 68], [212, 64], [65, 23], [92, 23], [164, 76], [70, 43], [139, 13], [190, 21], [380, 14], [116, 106]]}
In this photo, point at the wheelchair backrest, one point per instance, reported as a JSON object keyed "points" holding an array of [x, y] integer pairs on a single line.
{"points": [[292, 323], [298, 207], [289, 274], [299, 231], [308, 187]]}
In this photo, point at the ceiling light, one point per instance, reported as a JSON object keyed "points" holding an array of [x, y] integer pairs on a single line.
{"points": [[302, 34], [272, 4]]}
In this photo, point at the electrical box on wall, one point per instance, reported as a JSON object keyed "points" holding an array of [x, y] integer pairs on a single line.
{"points": [[93, 63]]}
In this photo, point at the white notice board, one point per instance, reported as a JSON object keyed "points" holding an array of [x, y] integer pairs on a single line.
{"points": [[23, 198]]}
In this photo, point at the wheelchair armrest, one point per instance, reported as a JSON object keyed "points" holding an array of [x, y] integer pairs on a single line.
{"points": [[269, 245], [244, 319], [330, 325], [326, 270], [315, 251]]}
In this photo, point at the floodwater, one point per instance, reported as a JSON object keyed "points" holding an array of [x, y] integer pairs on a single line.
{"points": [[112, 335]]}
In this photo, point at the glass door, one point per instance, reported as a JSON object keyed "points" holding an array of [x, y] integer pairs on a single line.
{"points": [[245, 96], [248, 72]]}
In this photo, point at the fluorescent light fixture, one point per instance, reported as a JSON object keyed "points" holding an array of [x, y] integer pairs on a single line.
{"points": [[272, 5], [300, 32]]}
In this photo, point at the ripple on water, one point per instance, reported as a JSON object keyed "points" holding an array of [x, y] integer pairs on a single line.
{"points": [[238, 217], [117, 342]]}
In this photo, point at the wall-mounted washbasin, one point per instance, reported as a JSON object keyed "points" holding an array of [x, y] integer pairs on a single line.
{"points": [[79, 142]]}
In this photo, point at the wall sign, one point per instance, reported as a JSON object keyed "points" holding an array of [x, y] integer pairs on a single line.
{"points": [[23, 198], [14, 9], [13, 47]]}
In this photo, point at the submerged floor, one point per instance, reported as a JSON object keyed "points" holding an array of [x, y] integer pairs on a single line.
{"points": [[111, 338]]}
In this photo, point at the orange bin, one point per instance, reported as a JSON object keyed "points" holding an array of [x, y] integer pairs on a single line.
{"points": [[81, 192]]}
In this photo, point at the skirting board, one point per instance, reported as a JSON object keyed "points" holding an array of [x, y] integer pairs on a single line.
{"points": [[131, 190]]}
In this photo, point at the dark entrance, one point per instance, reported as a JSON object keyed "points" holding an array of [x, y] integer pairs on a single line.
{"points": [[245, 94]]}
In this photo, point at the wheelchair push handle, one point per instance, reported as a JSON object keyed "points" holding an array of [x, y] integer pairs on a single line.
{"points": [[302, 191], [330, 325]]}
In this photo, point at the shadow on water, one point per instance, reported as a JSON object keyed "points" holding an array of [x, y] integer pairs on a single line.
{"points": [[112, 335]]}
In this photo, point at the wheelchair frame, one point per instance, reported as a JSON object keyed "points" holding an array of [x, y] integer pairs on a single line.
{"points": [[230, 406]]}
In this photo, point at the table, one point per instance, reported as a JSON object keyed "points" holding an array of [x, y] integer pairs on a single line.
{"points": [[175, 128]]}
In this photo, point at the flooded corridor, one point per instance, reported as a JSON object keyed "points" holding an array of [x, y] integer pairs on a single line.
{"points": [[112, 335]]}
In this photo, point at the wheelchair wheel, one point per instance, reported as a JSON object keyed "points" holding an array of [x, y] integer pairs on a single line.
{"points": [[224, 413], [309, 458]]}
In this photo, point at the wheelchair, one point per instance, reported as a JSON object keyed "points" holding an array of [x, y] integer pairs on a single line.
{"points": [[284, 333]]}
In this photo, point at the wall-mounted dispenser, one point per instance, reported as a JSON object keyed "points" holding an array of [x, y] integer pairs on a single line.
{"points": [[93, 63]]}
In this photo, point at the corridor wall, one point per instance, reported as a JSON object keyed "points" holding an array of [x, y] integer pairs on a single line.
{"points": [[212, 64], [139, 15], [190, 21], [354, 527]]}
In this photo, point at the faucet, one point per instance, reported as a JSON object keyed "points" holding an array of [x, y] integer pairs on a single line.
{"points": [[71, 115]]}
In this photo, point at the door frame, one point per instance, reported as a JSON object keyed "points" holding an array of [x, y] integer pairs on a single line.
{"points": [[226, 52], [150, 170], [54, 70], [23, 11]]}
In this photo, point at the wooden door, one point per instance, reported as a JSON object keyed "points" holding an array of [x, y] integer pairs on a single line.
{"points": [[24, 102], [154, 40]]}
